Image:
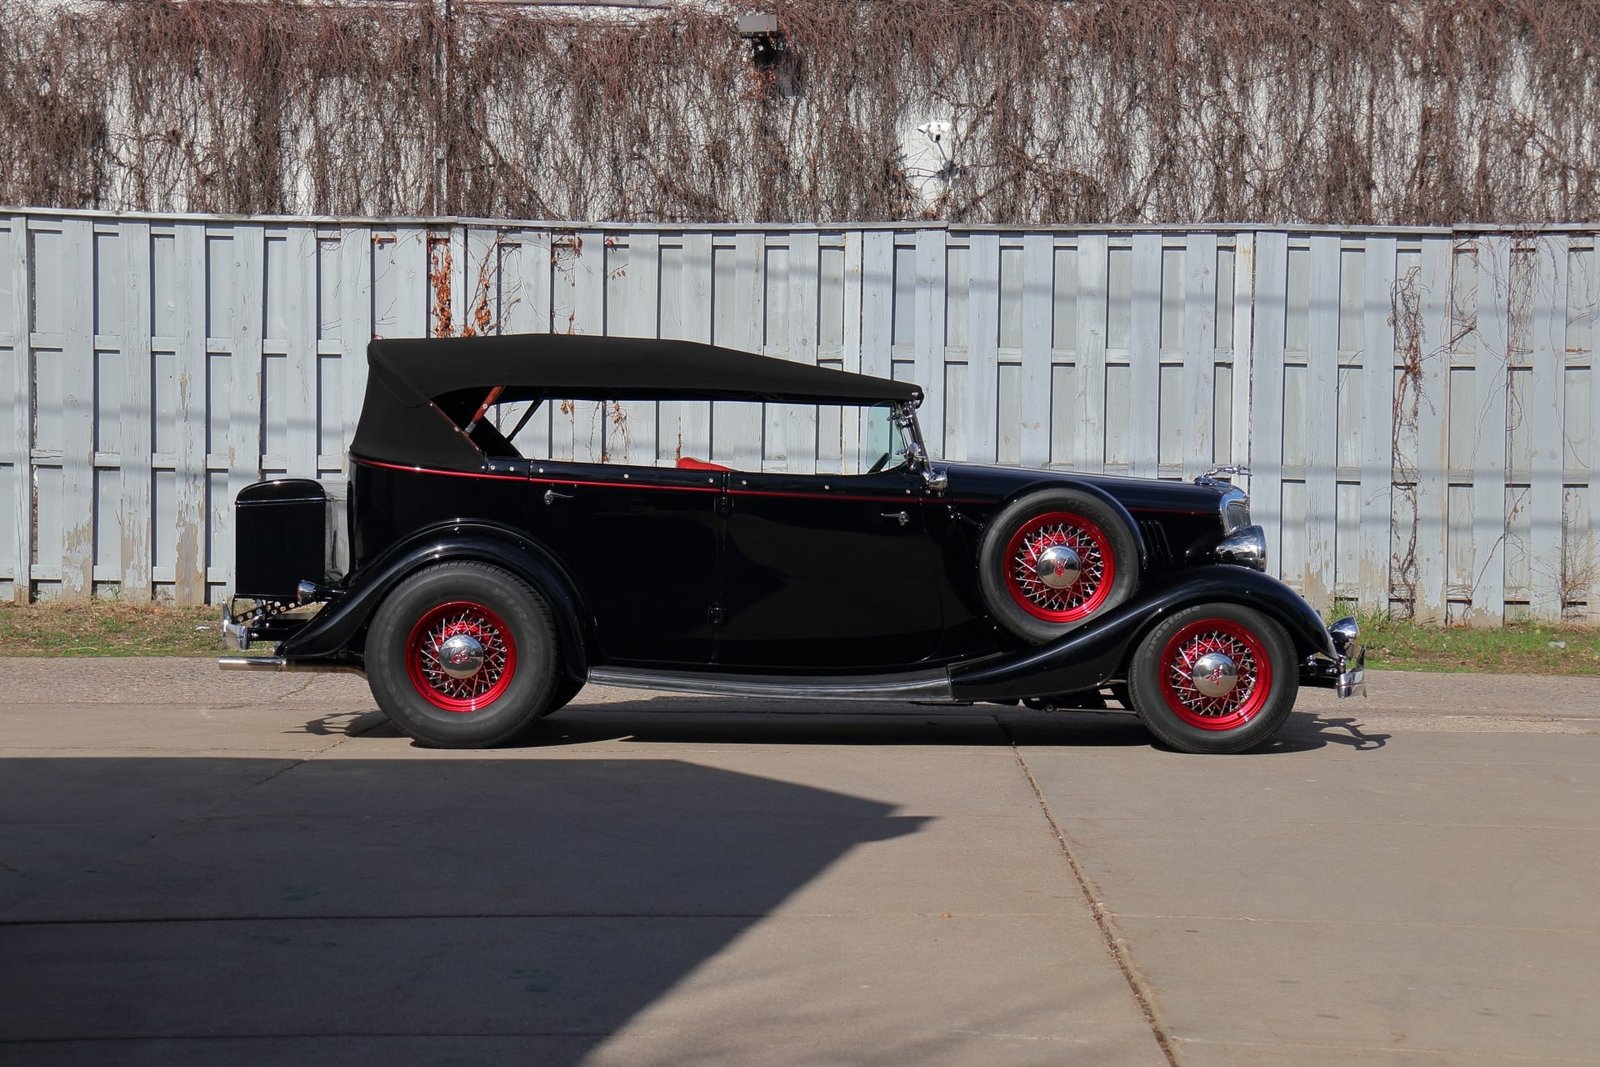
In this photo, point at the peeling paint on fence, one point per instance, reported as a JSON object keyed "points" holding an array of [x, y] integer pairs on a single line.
{"points": [[1419, 406]]}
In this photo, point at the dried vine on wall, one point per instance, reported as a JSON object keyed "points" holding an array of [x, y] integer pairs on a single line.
{"points": [[1343, 111]]}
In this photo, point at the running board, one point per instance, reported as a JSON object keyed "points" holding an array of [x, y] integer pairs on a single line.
{"points": [[278, 663], [928, 687]]}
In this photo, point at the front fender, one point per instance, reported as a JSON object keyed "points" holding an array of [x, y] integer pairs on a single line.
{"points": [[331, 633], [1099, 651]]}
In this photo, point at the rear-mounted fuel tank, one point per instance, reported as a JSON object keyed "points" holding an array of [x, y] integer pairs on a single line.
{"points": [[282, 536]]}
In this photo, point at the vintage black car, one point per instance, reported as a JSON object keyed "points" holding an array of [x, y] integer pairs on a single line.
{"points": [[485, 588]]}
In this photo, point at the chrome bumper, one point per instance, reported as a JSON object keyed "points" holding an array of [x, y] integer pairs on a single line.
{"points": [[1351, 660], [235, 634], [1346, 672]]}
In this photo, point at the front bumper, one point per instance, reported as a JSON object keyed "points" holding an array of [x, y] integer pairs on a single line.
{"points": [[1346, 672]]}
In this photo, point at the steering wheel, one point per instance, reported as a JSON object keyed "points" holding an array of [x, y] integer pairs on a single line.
{"points": [[878, 466]]}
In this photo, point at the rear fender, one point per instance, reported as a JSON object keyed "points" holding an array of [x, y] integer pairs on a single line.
{"points": [[1097, 653], [334, 632]]}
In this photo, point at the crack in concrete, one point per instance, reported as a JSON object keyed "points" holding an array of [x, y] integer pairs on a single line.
{"points": [[1097, 908]]}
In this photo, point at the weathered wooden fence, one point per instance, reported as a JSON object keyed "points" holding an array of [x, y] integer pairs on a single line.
{"points": [[1419, 407]]}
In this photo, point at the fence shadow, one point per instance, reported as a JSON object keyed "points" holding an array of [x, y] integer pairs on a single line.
{"points": [[157, 909]]}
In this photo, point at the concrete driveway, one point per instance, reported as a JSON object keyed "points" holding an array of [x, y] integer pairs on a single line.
{"points": [[202, 868]]}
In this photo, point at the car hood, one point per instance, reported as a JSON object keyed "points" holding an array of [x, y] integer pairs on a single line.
{"points": [[977, 483]]}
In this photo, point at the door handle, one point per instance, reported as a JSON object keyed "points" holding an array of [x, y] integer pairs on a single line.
{"points": [[898, 516], [551, 496]]}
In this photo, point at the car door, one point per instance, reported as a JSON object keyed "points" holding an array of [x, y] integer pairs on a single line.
{"points": [[641, 545], [825, 573]]}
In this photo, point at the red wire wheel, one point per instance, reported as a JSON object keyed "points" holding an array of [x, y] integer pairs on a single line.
{"points": [[1077, 600], [1202, 697], [443, 684]]}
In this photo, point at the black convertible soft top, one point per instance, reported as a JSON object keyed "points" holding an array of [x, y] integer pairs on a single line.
{"points": [[400, 420]]}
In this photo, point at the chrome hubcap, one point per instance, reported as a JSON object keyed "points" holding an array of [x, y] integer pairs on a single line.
{"points": [[1214, 675], [1058, 566], [461, 656]]}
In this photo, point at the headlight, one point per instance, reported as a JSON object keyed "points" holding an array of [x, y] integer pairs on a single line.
{"points": [[1235, 509]]}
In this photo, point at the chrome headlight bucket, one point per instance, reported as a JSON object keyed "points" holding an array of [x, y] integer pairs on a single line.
{"points": [[1247, 547]]}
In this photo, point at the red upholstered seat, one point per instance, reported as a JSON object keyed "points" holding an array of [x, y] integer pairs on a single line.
{"points": [[689, 463]]}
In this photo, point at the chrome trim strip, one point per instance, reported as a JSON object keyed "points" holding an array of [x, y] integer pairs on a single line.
{"points": [[278, 663], [926, 687]]}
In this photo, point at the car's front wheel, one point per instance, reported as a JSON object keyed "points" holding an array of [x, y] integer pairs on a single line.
{"points": [[462, 655], [1214, 678]]}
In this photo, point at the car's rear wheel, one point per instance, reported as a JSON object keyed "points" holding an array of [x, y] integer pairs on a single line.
{"points": [[462, 655], [1214, 678], [566, 689], [1052, 560]]}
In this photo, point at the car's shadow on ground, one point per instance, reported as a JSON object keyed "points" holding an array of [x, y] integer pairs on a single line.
{"points": [[728, 721]]}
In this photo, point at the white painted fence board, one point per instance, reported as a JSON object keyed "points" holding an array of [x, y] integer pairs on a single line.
{"points": [[135, 442], [642, 317], [877, 322], [1377, 423], [1433, 431], [1199, 352], [1144, 358], [1590, 553], [1489, 451], [929, 322], [189, 473], [1038, 318], [1321, 423], [1243, 339], [1267, 357], [20, 446], [248, 253], [800, 423], [983, 339], [354, 266], [1548, 580], [1090, 362], [849, 431], [692, 432], [77, 410]]}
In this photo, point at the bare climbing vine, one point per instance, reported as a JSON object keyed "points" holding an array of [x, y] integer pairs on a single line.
{"points": [[1405, 315], [1337, 111]]}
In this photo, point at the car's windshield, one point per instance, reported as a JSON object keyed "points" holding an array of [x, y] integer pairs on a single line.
{"points": [[885, 445]]}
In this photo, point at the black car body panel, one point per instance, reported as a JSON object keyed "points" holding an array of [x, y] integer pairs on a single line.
{"points": [[766, 579]]}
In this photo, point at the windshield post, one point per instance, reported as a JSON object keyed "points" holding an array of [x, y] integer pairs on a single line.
{"points": [[905, 416]]}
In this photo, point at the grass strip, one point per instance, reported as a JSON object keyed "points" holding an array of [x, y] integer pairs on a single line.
{"points": [[115, 628]]}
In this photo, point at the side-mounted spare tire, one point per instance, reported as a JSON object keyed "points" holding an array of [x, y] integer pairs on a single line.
{"points": [[1054, 559], [463, 655]]}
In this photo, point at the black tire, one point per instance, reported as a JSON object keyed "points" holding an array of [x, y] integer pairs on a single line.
{"points": [[566, 688], [1266, 680], [512, 626], [1020, 600]]}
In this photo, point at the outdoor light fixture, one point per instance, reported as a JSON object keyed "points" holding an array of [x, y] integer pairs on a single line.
{"points": [[764, 37]]}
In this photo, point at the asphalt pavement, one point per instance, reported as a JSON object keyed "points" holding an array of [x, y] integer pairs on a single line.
{"points": [[198, 867]]}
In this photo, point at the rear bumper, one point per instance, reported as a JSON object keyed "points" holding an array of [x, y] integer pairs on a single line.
{"points": [[1346, 672], [274, 623]]}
